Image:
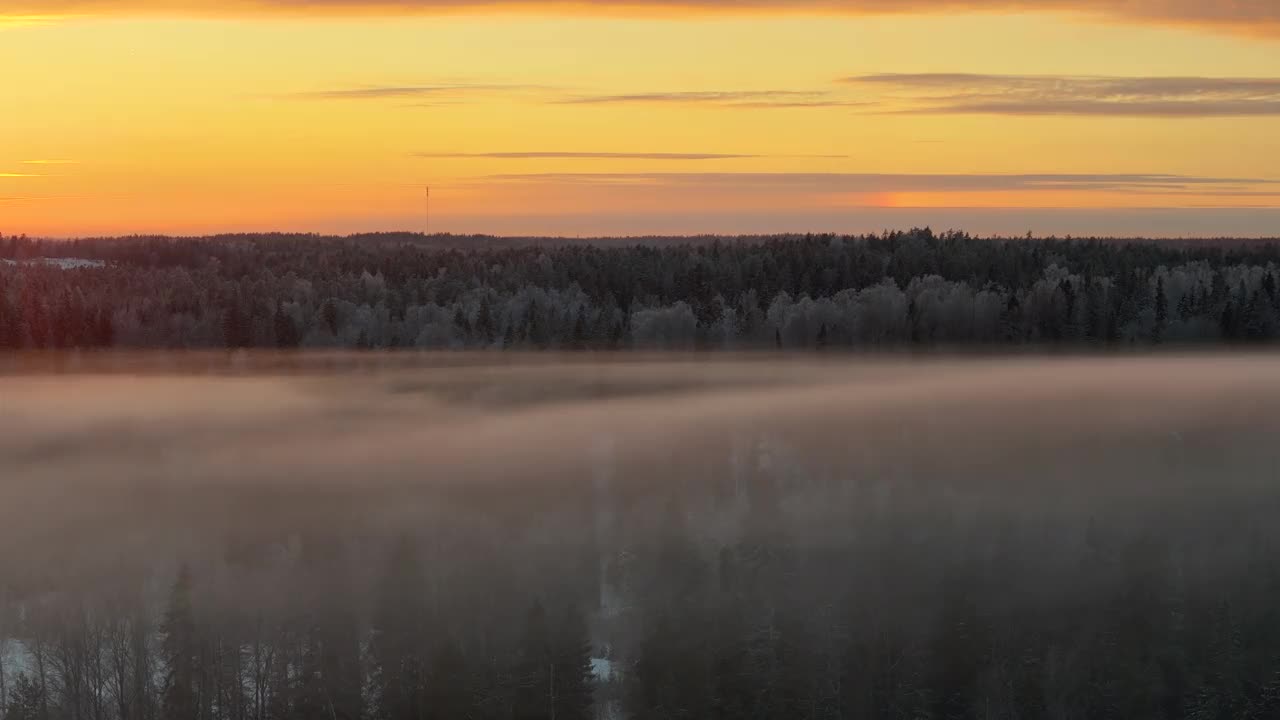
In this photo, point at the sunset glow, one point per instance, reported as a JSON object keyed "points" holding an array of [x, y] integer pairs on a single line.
{"points": [[193, 116]]}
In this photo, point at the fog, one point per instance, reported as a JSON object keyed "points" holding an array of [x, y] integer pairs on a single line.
{"points": [[201, 426], [856, 492]]}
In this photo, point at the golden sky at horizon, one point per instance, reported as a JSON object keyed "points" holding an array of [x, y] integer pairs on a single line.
{"points": [[146, 116]]}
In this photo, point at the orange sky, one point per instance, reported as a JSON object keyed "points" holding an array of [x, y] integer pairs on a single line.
{"points": [[185, 116]]}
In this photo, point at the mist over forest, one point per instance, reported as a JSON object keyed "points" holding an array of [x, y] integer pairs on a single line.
{"points": [[271, 477], [742, 360], [482, 535], [897, 290]]}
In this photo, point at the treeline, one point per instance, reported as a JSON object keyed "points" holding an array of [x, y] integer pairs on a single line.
{"points": [[894, 290]]}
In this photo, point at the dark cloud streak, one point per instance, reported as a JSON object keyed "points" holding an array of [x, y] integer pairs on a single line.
{"points": [[552, 155], [1014, 95], [400, 92], [1257, 17], [756, 99], [540, 155], [878, 182]]}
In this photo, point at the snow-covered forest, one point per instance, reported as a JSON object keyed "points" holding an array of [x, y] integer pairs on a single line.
{"points": [[403, 291]]}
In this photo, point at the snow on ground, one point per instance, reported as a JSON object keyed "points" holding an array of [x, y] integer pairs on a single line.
{"points": [[60, 263], [602, 669], [14, 657]]}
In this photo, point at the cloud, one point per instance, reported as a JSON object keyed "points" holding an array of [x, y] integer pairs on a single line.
{"points": [[720, 98], [880, 182], [921, 93], [8, 21], [399, 92], [49, 162], [536, 155], [549, 155], [1242, 16], [1168, 97], [17, 175]]}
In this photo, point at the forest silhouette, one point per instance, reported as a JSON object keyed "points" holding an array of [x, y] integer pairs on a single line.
{"points": [[896, 290]]}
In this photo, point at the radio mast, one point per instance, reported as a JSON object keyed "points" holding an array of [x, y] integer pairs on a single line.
{"points": [[427, 201]]}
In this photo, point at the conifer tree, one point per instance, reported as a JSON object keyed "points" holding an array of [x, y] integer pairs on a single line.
{"points": [[26, 700], [535, 675], [447, 683], [181, 650], [1162, 312], [286, 330], [396, 642], [572, 666]]}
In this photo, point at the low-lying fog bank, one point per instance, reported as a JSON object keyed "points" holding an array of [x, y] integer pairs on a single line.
{"points": [[741, 536]]}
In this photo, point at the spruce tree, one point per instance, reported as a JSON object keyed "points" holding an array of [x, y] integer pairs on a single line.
{"points": [[286, 330], [579, 340], [236, 332], [10, 330], [396, 643], [484, 323], [26, 700], [958, 652], [104, 328], [180, 646], [535, 690], [572, 682], [447, 683], [461, 326], [1162, 312]]}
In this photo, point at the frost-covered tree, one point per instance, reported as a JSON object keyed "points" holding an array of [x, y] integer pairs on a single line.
{"points": [[26, 700], [404, 291]]}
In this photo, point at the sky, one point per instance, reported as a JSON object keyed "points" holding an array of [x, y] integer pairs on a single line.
{"points": [[1084, 117]]}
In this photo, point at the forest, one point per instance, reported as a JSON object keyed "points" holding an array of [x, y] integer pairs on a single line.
{"points": [[732, 540], [912, 289], [565, 535]]}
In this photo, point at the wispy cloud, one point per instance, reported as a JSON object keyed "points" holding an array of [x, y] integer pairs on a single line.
{"points": [[1169, 97], [10, 21], [401, 92], [1150, 183], [569, 155], [452, 92], [1240, 16], [539, 155], [49, 162], [17, 175], [717, 98]]}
